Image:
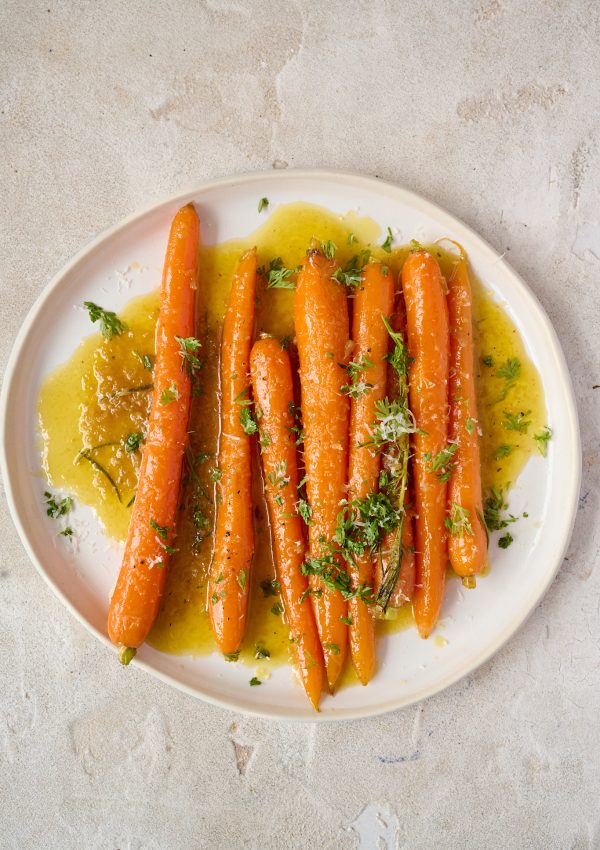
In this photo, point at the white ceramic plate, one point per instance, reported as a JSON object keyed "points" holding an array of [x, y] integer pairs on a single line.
{"points": [[474, 624]]}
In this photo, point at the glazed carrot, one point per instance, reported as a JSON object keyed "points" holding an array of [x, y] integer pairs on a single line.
{"points": [[404, 584], [428, 345], [139, 587], [322, 334], [229, 576], [373, 302], [467, 542], [273, 390]]}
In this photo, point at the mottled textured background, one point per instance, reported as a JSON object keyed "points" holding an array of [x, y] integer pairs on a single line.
{"points": [[489, 107]]}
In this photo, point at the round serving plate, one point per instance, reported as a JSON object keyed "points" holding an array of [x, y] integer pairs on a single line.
{"points": [[126, 261]]}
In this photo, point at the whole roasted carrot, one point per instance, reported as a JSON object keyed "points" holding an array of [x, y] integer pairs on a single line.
{"points": [[429, 348], [322, 334], [229, 576], [467, 542], [395, 561], [274, 397], [373, 302], [139, 587]]}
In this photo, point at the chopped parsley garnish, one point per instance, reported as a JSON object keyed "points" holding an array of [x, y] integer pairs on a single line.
{"points": [[169, 394], [161, 530], [54, 508], [505, 541], [231, 656], [542, 439], [510, 370], [351, 239], [333, 578], [279, 477], [242, 578], [216, 474], [263, 204], [458, 522], [332, 647], [493, 507], [110, 324], [189, 357], [387, 245], [329, 248], [441, 464], [133, 441], [469, 425], [347, 620], [277, 609], [278, 276], [66, 532], [356, 388], [304, 511], [488, 361], [254, 681], [262, 652], [247, 421], [144, 359], [503, 450], [516, 421]]}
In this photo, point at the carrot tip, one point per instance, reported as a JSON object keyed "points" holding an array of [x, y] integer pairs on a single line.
{"points": [[126, 654]]}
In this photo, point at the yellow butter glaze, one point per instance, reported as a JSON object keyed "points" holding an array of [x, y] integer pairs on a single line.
{"points": [[76, 410]]}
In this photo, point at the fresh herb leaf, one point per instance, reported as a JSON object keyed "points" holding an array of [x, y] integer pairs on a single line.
{"points": [[488, 360], [133, 441], [247, 421], [278, 276], [305, 511], [542, 439], [189, 357], [169, 394], [332, 647], [216, 474], [263, 204], [387, 245], [254, 681], [329, 248], [469, 425], [241, 579], [442, 464], [493, 507], [347, 620], [54, 508], [231, 656], [503, 450], [66, 532], [110, 324], [351, 239], [161, 530], [261, 652], [505, 541], [458, 523], [516, 421], [279, 477], [510, 371], [277, 609]]}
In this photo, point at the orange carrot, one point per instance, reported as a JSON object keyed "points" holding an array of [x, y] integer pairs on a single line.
{"points": [[373, 302], [139, 587], [274, 397], [467, 543], [229, 576], [405, 582], [429, 348], [322, 333]]}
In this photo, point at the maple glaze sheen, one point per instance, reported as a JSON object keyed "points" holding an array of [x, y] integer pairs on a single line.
{"points": [[75, 411]]}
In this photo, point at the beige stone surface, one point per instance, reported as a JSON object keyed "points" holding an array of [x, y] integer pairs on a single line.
{"points": [[490, 108]]}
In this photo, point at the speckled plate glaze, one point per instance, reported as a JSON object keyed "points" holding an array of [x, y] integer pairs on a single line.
{"points": [[473, 625]]}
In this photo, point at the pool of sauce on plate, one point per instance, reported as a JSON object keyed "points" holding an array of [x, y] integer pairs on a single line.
{"points": [[101, 395]]}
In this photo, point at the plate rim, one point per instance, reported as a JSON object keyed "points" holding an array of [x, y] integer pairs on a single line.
{"points": [[336, 175]]}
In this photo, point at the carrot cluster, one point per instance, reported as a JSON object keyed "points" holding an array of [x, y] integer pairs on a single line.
{"points": [[383, 492]]}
